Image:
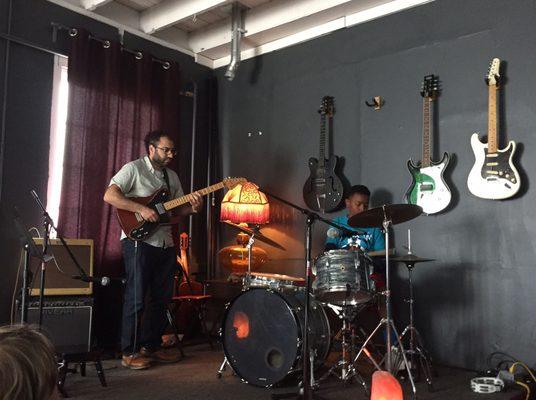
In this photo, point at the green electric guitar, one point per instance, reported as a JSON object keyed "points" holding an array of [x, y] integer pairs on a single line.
{"points": [[428, 188]]}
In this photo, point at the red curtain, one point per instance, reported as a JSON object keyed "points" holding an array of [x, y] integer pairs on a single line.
{"points": [[115, 98]]}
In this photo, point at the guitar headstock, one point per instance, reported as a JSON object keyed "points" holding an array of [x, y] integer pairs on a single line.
{"points": [[232, 182], [493, 76], [327, 106], [430, 87], [184, 241]]}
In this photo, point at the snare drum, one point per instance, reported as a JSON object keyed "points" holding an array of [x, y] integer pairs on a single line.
{"points": [[273, 281], [342, 278]]}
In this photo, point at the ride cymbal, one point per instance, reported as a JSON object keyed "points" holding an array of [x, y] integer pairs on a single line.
{"points": [[396, 213]]}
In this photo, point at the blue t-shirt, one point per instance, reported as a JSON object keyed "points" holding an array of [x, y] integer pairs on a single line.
{"points": [[372, 240]]}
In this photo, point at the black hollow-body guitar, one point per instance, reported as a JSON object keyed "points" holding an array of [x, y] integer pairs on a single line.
{"points": [[323, 190]]}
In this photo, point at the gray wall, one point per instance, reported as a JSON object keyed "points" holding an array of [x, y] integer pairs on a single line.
{"points": [[478, 296], [28, 99]]}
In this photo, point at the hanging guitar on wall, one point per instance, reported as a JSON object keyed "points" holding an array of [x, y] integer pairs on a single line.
{"points": [[323, 190], [493, 175], [428, 188]]}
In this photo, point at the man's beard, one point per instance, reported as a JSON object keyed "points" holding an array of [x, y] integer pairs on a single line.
{"points": [[162, 162]]}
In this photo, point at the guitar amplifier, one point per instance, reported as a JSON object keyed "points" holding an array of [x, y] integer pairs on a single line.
{"points": [[60, 270], [66, 320]]}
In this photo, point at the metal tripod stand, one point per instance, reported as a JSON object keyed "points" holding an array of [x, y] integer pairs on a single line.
{"points": [[245, 285], [418, 355], [388, 214], [344, 364]]}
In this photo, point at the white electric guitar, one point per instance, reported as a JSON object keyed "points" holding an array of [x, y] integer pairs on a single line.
{"points": [[493, 175]]}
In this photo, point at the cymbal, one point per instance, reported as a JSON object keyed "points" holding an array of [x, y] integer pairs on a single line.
{"points": [[397, 213], [411, 259], [378, 253], [258, 235]]}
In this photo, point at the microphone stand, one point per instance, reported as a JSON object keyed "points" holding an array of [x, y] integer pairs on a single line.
{"points": [[47, 224], [30, 250], [307, 393]]}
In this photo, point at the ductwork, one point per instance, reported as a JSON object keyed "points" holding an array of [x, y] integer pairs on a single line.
{"points": [[237, 34]]}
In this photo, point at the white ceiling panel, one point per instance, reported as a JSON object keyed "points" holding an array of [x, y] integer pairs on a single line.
{"points": [[202, 28]]}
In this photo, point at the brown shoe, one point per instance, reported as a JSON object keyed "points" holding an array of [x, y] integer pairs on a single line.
{"points": [[169, 355], [136, 361]]}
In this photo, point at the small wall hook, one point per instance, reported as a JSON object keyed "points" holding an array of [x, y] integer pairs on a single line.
{"points": [[377, 102]]}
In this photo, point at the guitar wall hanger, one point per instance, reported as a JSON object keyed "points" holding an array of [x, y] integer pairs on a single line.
{"points": [[377, 102]]}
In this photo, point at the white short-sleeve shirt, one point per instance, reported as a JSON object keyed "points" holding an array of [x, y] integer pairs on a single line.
{"points": [[138, 178]]}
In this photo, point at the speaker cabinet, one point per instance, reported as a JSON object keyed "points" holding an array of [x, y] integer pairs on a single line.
{"points": [[66, 320], [59, 271]]}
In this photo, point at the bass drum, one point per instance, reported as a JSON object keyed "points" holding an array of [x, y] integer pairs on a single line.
{"points": [[262, 334]]}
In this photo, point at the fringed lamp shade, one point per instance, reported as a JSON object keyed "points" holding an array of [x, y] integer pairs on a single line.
{"points": [[245, 204]]}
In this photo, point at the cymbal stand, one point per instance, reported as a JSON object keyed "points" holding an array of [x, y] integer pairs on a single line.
{"points": [[388, 320], [416, 348], [247, 278], [245, 286], [347, 371]]}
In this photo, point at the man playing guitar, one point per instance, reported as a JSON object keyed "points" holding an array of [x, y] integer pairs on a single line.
{"points": [[151, 263]]}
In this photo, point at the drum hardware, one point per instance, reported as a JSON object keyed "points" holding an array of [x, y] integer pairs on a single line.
{"points": [[416, 350], [348, 339], [245, 282], [223, 366], [306, 392], [386, 216]]}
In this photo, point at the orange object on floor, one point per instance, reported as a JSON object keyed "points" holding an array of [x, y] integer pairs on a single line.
{"points": [[385, 387]]}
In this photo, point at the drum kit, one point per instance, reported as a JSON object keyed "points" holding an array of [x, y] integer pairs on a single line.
{"points": [[279, 324]]}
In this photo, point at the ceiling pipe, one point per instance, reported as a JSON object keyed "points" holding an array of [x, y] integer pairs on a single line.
{"points": [[237, 34]]}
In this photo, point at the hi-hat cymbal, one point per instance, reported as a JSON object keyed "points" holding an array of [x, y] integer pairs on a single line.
{"points": [[396, 213], [411, 259], [380, 253], [257, 233]]}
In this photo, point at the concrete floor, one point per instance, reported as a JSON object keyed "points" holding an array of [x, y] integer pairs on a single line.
{"points": [[195, 378]]}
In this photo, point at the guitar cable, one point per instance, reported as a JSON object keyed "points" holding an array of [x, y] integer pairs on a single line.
{"points": [[522, 384], [135, 345]]}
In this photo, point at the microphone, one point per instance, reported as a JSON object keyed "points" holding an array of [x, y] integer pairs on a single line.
{"points": [[103, 280], [333, 233], [342, 232]]}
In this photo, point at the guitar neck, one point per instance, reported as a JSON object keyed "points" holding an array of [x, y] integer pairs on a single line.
{"points": [[492, 119], [322, 154], [425, 161], [179, 201]]}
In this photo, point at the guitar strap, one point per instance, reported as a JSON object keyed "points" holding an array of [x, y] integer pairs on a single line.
{"points": [[166, 179]]}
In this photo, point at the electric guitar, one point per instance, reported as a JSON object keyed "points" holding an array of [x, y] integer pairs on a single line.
{"points": [[136, 228], [493, 175], [428, 188], [323, 189]]}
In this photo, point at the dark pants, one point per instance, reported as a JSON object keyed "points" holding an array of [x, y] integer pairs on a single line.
{"points": [[148, 290]]}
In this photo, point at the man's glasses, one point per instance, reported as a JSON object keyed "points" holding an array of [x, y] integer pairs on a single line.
{"points": [[167, 150]]}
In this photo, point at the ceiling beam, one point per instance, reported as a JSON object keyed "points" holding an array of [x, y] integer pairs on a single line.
{"points": [[260, 19], [92, 4], [170, 12], [346, 21]]}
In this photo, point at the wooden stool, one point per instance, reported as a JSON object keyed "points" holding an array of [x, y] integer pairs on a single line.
{"points": [[80, 358], [199, 304]]}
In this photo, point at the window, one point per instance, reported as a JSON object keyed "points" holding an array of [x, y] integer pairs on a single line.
{"points": [[58, 121]]}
